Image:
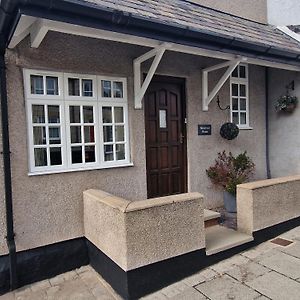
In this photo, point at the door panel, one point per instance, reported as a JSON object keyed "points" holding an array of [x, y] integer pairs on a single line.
{"points": [[165, 145]]}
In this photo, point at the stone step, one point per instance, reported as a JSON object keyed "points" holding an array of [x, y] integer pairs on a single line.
{"points": [[219, 238], [211, 218]]}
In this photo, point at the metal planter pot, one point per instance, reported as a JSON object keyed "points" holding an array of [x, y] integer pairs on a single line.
{"points": [[229, 202]]}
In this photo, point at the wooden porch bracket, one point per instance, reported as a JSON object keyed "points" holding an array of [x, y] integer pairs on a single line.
{"points": [[208, 97], [139, 87]]}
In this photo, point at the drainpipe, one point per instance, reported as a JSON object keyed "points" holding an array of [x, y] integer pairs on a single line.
{"points": [[10, 236], [267, 125]]}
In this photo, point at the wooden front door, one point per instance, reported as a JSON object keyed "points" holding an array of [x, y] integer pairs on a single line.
{"points": [[165, 137]]}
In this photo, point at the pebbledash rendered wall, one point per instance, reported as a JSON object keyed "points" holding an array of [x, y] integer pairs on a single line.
{"points": [[49, 208], [284, 127]]}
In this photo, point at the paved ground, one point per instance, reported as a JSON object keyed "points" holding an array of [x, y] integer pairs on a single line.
{"points": [[267, 271]]}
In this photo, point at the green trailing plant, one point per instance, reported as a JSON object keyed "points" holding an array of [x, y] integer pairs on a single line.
{"points": [[286, 103], [229, 171]]}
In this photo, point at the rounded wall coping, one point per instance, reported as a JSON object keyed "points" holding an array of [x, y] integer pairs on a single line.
{"points": [[126, 206], [268, 182]]}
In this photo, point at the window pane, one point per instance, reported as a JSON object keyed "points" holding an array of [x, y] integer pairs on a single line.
{"points": [[120, 151], [37, 84], [88, 114], [118, 89], [53, 114], [74, 114], [235, 104], [55, 156], [52, 85], [39, 135], [243, 104], [40, 157], [89, 134], [90, 154], [38, 114], [106, 114], [119, 117], [75, 134], [119, 133], [235, 118], [242, 72], [242, 90], [108, 153], [235, 89], [235, 72], [106, 88], [108, 135], [76, 155], [87, 87], [54, 135], [74, 86], [243, 118]]}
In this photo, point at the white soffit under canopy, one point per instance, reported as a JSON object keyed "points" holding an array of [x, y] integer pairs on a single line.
{"points": [[38, 28]]}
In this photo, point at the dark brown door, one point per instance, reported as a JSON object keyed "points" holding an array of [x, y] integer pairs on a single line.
{"points": [[165, 137]]}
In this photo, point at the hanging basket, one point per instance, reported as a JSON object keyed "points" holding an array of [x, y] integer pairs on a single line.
{"points": [[229, 131]]}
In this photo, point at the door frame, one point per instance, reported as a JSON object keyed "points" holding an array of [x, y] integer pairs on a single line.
{"points": [[180, 81]]}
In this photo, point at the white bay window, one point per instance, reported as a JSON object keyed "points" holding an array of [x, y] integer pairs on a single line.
{"points": [[76, 122]]}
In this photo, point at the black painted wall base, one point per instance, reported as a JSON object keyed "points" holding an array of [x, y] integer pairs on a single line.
{"points": [[51, 260], [45, 262]]}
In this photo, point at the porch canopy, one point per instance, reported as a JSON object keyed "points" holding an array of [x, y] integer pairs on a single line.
{"points": [[177, 25]]}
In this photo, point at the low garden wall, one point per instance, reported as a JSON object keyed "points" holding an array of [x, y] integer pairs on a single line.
{"points": [[139, 233], [267, 203]]}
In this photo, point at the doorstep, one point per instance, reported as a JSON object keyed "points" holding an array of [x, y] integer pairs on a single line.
{"points": [[219, 238], [211, 218]]}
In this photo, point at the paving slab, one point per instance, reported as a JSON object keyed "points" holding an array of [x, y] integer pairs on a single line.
{"points": [[283, 263], [227, 264], [189, 294], [276, 286], [174, 289], [248, 271], [293, 249], [200, 277], [259, 250], [224, 288], [293, 234]]}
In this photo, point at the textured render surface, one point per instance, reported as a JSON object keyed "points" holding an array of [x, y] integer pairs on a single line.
{"points": [[284, 127], [160, 232], [53, 203], [267, 203], [283, 12], [143, 232], [104, 225], [255, 10]]}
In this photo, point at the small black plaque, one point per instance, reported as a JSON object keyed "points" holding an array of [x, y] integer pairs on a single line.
{"points": [[204, 129]]}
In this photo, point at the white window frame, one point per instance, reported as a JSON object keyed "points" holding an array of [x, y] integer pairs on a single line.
{"points": [[80, 77], [244, 81], [27, 82], [30, 127], [64, 100]]}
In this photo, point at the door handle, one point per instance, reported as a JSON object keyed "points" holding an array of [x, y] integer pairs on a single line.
{"points": [[181, 138]]}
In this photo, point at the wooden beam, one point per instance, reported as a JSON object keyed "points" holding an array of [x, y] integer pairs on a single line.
{"points": [[206, 97]]}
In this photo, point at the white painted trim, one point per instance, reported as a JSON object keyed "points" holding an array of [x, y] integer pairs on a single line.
{"points": [[64, 101], [244, 81], [139, 87], [206, 97], [290, 33], [38, 31], [135, 40]]}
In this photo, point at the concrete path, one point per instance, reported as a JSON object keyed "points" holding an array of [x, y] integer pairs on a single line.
{"points": [[267, 271]]}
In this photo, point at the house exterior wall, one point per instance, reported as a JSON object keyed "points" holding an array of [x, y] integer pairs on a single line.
{"points": [[283, 12], [255, 10], [49, 208], [284, 127]]}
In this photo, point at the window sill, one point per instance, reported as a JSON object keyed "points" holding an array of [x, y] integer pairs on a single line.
{"points": [[125, 165], [245, 128]]}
